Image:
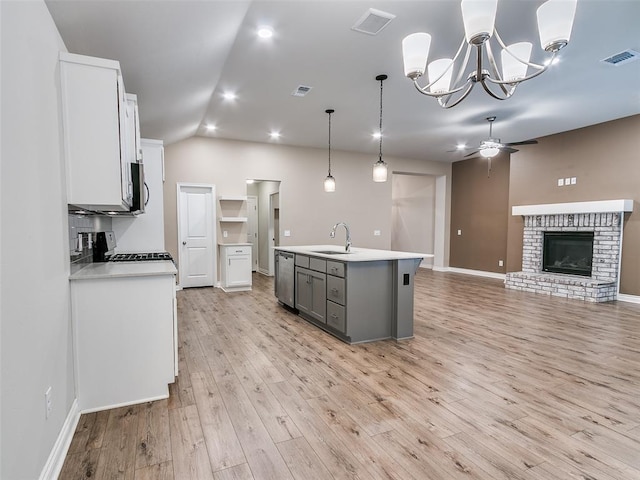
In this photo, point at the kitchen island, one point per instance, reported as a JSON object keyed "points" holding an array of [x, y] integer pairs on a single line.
{"points": [[359, 296]]}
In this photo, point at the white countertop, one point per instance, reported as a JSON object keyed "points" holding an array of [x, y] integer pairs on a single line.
{"points": [[355, 255], [124, 269]]}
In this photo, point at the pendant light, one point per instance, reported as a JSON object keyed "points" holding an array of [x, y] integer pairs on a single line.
{"points": [[329, 182], [380, 168]]}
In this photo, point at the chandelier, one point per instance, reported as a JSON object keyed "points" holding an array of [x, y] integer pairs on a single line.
{"points": [[555, 20]]}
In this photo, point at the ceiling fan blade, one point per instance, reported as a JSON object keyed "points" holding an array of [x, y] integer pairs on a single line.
{"points": [[470, 154], [526, 142], [508, 149]]}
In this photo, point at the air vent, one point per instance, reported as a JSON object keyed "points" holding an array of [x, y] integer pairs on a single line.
{"points": [[621, 58], [373, 21], [301, 91]]}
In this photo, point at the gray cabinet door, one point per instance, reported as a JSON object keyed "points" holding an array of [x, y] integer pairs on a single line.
{"points": [[311, 293]]}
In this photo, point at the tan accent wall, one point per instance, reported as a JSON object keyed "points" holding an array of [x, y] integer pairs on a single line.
{"points": [[605, 159], [479, 209], [305, 209]]}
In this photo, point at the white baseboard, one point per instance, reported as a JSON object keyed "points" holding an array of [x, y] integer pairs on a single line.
{"points": [[623, 297], [264, 272], [58, 453], [126, 404], [477, 273]]}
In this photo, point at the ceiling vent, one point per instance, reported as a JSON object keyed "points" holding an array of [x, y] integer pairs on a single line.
{"points": [[622, 58], [373, 21], [301, 91]]}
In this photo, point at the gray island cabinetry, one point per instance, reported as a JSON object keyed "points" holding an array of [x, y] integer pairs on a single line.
{"points": [[360, 296]]}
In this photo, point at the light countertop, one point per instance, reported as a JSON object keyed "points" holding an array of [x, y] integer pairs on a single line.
{"points": [[124, 269], [355, 255]]}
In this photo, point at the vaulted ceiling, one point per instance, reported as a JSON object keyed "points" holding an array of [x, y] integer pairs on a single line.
{"points": [[179, 57]]}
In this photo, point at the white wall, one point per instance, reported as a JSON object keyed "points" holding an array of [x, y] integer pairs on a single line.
{"points": [[305, 209], [413, 214], [35, 313]]}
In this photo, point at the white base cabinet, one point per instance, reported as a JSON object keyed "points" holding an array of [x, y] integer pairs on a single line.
{"points": [[124, 331], [235, 267]]}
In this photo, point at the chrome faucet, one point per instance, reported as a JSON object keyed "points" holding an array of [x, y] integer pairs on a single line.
{"points": [[346, 227]]}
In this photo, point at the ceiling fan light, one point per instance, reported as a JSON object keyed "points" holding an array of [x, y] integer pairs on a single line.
{"points": [[441, 70], [555, 21], [489, 152], [514, 61], [329, 184], [380, 171], [415, 51], [479, 17]]}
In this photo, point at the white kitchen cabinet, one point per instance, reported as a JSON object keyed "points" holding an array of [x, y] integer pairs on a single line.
{"points": [[145, 233], [94, 117], [124, 337], [235, 267]]}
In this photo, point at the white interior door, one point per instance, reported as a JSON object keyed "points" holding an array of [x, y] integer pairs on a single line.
{"points": [[252, 230], [196, 253]]}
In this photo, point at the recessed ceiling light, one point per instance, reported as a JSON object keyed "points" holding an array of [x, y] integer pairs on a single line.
{"points": [[274, 135], [461, 146], [376, 135], [265, 32], [211, 128], [229, 96]]}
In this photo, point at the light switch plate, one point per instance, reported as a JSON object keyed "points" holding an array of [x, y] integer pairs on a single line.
{"points": [[567, 181], [561, 182], [459, 232], [574, 180], [287, 233], [376, 233]]}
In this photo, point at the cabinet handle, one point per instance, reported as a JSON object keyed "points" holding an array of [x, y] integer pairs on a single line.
{"points": [[334, 291], [334, 316]]}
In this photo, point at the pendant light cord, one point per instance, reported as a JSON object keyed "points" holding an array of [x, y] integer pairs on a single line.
{"points": [[329, 112], [380, 131]]}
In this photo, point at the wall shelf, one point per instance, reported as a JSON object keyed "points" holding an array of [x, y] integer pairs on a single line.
{"points": [[232, 219]]}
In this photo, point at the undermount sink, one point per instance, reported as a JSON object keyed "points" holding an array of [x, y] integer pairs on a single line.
{"points": [[330, 252]]}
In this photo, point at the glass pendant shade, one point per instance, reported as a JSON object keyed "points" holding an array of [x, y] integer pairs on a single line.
{"points": [[415, 51], [436, 69], [380, 171], [513, 67], [489, 152], [479, 17], [329, 184], [555, 21]]}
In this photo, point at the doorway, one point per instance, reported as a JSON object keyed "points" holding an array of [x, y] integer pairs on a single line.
{"points": [[414, 214], [196, 235], [267, 195]]}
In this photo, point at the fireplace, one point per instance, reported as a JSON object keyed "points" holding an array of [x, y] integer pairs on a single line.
{"points": [[568, 252], [571, 250]]}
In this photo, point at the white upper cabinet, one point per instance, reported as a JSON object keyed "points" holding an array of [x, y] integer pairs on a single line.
{"points": [[99, 133]]}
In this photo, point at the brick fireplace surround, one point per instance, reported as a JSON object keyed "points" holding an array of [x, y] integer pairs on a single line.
{"points": [[603, 218]]}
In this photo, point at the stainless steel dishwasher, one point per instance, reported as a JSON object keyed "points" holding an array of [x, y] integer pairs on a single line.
{"points": [[285, 276]]}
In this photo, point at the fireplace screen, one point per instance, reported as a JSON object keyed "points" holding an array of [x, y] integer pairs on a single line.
{"points": [[568, 252]]}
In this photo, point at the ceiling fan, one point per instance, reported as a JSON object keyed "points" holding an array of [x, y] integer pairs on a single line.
{"points": [[492, 146]]}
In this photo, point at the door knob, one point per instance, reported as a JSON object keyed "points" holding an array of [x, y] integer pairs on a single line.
{"points": [[184, 243]]}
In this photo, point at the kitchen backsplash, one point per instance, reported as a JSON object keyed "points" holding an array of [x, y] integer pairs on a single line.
{"points": [[84, 224]]}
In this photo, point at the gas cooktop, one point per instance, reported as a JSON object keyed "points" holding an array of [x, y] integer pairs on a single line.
{"points": [[139, 257]]}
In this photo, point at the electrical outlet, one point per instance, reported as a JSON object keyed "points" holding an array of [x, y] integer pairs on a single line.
{"points": [[500, 263], [225, 234], [459, 232], [376, 233], [561, 182], [48, 401]]}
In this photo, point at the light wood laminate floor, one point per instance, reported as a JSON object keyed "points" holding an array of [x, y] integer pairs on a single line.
{"points": [[496, 384]]}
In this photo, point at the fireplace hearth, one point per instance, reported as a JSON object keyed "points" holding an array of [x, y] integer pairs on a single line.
{"points": [[570, 253]]}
